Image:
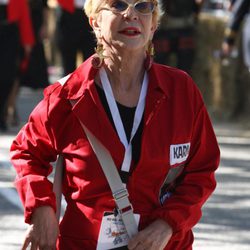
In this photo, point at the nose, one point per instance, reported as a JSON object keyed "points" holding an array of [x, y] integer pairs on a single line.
{"points": [[130, 13]]}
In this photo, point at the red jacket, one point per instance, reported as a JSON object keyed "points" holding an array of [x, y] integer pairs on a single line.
{"points": [[67, 5], [174, 114], [18, 11]]}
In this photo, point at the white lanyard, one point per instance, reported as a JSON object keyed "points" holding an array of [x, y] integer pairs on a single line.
{"points": [[117, 118]]}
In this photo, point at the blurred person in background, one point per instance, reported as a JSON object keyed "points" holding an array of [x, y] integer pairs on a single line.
{"points": [[74, 33], [33, 67], [240, 11], [176, 34], [15, 31]]}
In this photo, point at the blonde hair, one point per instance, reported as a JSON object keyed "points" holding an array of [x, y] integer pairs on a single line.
{"points": [[91, 8]]}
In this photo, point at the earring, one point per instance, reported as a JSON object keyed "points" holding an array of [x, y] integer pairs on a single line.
{"points": [[97, 59], [149, 55]]}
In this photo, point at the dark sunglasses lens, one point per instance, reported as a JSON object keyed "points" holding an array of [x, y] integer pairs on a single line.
{"points": [[145, 7], [119, 6]]}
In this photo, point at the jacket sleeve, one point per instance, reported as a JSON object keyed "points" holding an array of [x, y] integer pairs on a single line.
{"points": [[197, 181], [31, 154], [25, 25]]}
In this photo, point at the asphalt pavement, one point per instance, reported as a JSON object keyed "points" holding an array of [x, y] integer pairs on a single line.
{"points": [[226, 216]]}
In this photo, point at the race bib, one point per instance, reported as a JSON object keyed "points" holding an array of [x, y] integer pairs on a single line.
{"points": [[113, 233]]}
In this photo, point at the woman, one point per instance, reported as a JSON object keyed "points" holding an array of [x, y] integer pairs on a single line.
{"points": [[176, 34], [33, 67], [15, 28], [174, 149]]}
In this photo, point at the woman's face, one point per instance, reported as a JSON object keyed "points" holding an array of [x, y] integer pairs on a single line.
{"points": [[124, 28]]}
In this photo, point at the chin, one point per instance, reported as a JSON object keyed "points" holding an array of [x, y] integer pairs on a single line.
{"points": [[130, 47]]}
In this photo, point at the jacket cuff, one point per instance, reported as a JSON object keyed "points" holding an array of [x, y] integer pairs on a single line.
{"points": [[29, 211], [35, 191], [178, 233]]}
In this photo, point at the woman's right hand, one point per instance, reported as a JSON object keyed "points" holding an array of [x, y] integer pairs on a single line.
{"points": [[43, 232]]}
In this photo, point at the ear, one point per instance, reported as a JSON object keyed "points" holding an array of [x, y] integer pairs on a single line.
{"points": [[153, 29], [94, 23]]}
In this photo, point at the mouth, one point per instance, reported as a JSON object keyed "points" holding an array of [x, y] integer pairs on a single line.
{"points": [[130, 31]]}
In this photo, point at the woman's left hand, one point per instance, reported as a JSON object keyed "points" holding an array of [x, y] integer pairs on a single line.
{"points": [[153, 237]]}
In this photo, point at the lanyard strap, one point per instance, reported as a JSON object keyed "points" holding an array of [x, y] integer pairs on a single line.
{"points": [[120, 193], [117, 118]]}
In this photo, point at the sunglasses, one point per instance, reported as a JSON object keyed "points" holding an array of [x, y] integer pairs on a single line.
{"points": [[144, 7]]}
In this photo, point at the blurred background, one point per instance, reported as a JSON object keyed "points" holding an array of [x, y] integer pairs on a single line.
{"points": [[223, 80]]}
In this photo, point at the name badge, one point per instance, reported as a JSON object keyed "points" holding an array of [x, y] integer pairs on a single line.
{"points": [[179, 153], [113, 233]]}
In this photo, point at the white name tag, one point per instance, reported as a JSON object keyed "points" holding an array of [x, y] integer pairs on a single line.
{"points": [[179, 153], [113, 233]]}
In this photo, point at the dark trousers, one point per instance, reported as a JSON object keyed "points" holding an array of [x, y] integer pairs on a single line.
{"points": [[179, 42], [36, 73], [9, 56], [74, 34]]}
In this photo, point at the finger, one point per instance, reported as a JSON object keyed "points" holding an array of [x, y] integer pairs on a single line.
{"points": [[46, 248], [34, 246], [26, 243], [140, 247], [134, 244]]}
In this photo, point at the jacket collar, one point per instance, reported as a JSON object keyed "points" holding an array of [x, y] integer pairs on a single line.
{"points": [[82, 79], [75, 84], [80, 87], [158, 78]]}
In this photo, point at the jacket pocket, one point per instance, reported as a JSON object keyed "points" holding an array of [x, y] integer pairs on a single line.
{"points": [[169, 183]]}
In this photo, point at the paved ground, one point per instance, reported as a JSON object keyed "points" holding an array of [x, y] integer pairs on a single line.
{"points": [[226, 216]]}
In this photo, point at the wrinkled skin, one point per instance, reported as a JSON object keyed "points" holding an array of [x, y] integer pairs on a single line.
{"points": [[153, 237], [43, 231]]}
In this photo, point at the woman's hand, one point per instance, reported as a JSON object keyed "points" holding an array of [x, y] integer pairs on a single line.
{"points": [[44, 230], [154, 237]]}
